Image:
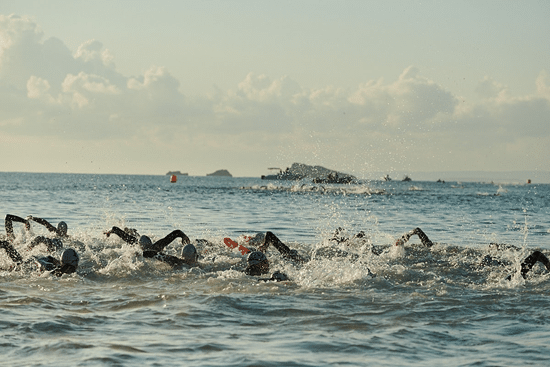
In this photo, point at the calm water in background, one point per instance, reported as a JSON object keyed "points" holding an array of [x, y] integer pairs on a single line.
{"points": [[424, 307]]}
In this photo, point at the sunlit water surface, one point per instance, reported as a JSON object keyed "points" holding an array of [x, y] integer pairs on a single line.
{"points": [[423, 307]]}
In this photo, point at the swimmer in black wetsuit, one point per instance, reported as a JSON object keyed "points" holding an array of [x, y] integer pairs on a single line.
{"points": [[328, 252], [54, 243], [66, 265], [525, 266], [154, 250]]}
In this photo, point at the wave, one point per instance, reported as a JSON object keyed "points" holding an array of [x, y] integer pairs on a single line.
{"points": [[322, 189]]}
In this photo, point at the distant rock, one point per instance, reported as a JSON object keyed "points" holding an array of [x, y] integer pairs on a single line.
{"points": [[177, 173], [220, 173], [318, 174]]}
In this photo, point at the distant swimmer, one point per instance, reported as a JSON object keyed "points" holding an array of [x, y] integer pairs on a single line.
{"points": [[154, 250], [67, 264]]}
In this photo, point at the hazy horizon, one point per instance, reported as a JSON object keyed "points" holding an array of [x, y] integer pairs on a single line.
{"points": [[496, 177]]}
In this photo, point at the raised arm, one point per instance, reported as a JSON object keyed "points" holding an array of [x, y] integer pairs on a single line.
{"points": [[129, 238], [531, 260], [160, 244], [9, 224], [51, 244], [285, 251], [41, 221], [417, 231]]}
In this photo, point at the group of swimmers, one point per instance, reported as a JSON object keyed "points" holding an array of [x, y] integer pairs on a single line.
{"points": [[257, 262]]}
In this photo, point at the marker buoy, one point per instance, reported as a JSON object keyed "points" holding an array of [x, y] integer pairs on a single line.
{"points": [[173, 178]]}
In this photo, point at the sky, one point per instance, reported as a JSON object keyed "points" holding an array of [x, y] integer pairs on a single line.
{"points": [[363, 87]]}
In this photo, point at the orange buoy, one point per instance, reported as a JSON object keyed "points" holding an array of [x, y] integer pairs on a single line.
{"points": [[173, 178]]}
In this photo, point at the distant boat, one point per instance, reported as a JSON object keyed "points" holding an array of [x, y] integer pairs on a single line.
{"points": [[387, 178], [406, 178]]}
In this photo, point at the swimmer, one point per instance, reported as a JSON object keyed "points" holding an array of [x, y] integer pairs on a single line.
{"points": [[154, 250], [66, 265], [54, 243], [329, 252]]}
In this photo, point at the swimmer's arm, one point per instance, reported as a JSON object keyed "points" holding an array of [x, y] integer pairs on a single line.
{"points": [[162, 243], [51, 244], [531, 260], [12, 253], [171, 260], [130, 239], [417, 231], [424, 238], [9, 224], [273, 240], [41, 221]]}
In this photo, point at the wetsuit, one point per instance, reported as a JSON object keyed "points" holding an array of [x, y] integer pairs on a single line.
{"points": [[11, 251], [285, 251], [9, 224], [126, 235], [154, 250], [531, 260], [52, 244], [47, 263], [417, 231]]}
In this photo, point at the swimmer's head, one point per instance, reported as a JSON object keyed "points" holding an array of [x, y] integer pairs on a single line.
{"points": [[70, 258], [189, 253], [145, 243], [257, 264], [62, 228]]}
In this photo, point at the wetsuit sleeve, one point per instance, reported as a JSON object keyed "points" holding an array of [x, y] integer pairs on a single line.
{"points": [[285, 251], [130, 239], [171, 260], [531, 260], [51, 244], [417, 231], [45, 223], [14, 254], [160, 244], [424, 238], [9, 224]]}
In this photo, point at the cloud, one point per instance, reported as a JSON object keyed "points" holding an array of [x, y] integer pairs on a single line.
{"points": [[47, 91]]}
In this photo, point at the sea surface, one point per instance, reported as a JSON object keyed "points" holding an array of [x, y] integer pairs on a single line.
{"points": [[387, 306]]}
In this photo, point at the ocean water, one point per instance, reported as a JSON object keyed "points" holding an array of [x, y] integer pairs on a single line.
{"points": [[404, 306]]}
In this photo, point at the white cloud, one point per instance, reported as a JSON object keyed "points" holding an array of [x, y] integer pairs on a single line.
{"points": [[48, 91]]}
